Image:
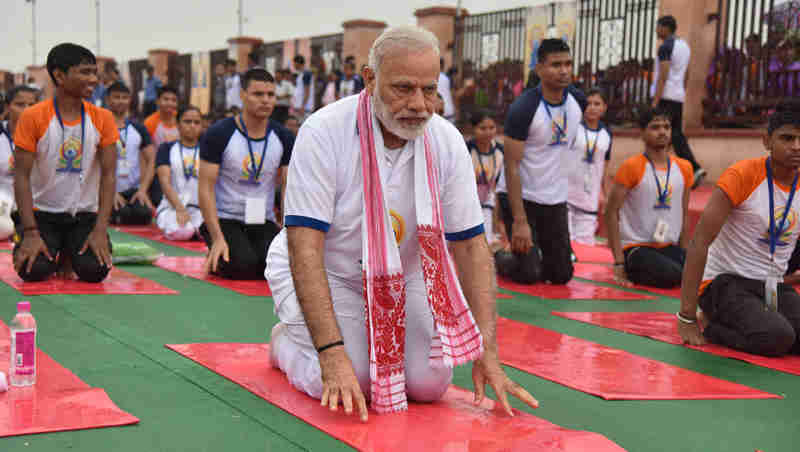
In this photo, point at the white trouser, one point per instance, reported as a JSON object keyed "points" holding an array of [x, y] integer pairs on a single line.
{"points": [[488, 224], [167, 221], [296, 356], [6, 207], [582, 226]]}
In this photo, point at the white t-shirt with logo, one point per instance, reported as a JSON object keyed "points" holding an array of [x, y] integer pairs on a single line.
{"points": [[586, 176], [677, 52]]}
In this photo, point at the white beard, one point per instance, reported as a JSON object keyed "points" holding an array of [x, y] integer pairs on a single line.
{"points": [[393, 125]]}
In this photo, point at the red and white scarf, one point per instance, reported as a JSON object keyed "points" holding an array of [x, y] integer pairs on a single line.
{"points": [[457, 339]]}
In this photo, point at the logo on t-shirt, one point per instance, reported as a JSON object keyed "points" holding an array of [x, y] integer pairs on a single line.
{"points": [[11, 164], [398, 225], [70, 155], [122, 151], [249, 175], [785, 234], [665, 203], [559, 128], [188, 163]]}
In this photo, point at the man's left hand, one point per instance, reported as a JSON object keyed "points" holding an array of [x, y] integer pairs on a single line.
{"points": [[487, 370], [98, 243], [142, 198]]}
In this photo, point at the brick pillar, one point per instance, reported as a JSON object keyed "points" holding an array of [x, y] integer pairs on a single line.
{"points": [[42, 78], [441, 21], [103, 61], [694, 28], [159, 59], [359, 34], [240, 47]]}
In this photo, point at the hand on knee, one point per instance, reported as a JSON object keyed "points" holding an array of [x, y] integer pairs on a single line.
{"points": [[88, 268]]}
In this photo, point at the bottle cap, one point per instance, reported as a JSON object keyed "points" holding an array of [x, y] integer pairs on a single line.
{"points": [[24, 306]]}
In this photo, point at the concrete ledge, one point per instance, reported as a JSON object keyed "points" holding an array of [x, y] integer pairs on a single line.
{"points": [[363, 23], [439, 11]]}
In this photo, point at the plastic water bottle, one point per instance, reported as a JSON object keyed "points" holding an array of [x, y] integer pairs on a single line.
{"points": [[22, 371]]}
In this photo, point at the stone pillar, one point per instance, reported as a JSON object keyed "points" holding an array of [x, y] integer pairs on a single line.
{"points": [[694, 28], [441, 21], [159, 59], [359, 34], [240, 47], [42, 79]]}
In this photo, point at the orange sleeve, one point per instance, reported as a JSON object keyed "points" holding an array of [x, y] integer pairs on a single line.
{"points": [[739, 180], [104, 121], [630, 172], [31, 127], [151, 123], [686, 170]]}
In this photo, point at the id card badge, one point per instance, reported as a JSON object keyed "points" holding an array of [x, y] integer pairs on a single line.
{"points": [[255, 210], [587, 182], [123, 168], [662, 229], [771, 293]]}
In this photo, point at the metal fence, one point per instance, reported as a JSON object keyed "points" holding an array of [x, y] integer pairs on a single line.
{"points": [[273, 56], [756, 63]]}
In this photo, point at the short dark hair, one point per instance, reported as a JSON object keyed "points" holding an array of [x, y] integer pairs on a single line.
{"points": [[649, 114], [478, 116], [596, 92], [256, 74], [549, 46], [669, 22], [188, 108], [786, 113], [291, 117], [350, 65], [14, 92], [167, 89], [230, 62], [67, 55], [118, 87], [299, 59]]}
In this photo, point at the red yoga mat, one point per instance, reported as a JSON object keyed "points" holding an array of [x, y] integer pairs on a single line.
{"points": [[152, 232], [592, 253], [605, 274], [573, 290], [661, 326], [58, 401], [192, 266], [6, 245], [117, 282], [453, 423], [606, 372]]}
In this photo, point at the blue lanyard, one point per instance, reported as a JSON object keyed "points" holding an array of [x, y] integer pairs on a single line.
{"points": [[590, 151], [256, 170], [562, 131], [64, 133], [188, 172], [124, 128], [773, 234], [662, 194]]}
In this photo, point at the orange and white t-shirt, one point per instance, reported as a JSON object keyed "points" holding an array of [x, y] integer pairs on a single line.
{"points": [[742, 245], [66, 170], [639, 215], [160, 132]]}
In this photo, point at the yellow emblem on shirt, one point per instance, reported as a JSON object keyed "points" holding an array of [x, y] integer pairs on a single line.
{"points": [[398, 225]]}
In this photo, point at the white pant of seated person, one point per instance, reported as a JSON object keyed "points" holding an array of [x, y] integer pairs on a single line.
{"points": [[582, 227], [167, 222], [294, 353]]}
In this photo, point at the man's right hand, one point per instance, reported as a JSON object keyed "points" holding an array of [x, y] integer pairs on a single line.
{"points": [[219, 248], [30, 248], [119, 201], [521, 237], [182, 216], [690, 333], [339, 382]]}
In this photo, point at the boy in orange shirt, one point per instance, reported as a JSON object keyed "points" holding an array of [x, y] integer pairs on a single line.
{"points": [[65, 175]]}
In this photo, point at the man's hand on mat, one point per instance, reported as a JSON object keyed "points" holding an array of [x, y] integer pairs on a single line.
{"points": [[690, 333], [119, 201], [98, 243], [621, 277], [339, 381], [142, 197], [30, 248], [487, 370], [521, 237], [218, 249], [182, 216]]}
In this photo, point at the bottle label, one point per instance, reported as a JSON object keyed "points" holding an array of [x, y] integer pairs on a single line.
{"points": [[25, 357]]}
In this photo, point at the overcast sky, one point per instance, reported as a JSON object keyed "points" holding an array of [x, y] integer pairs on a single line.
{"points": [[129, 28]]}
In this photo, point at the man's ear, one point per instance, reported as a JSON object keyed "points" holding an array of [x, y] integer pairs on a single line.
{"points": [[369, 79]]}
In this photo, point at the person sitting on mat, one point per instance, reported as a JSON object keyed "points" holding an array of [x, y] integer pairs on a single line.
{"points": [[364, 286], [587, 178], [740, 251], [178, 216], [646, 211], [135, 158], [541, 125], [17, 100], [243, 159], [487, 159], [64, 178]]}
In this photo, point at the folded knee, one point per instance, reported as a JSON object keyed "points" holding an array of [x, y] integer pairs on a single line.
{"points": [[180, 232], [776, 341], [41, 269], [89, 269], [428, 385]]}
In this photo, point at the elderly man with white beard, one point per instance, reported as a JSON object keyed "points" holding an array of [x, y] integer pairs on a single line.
{"points": [[371, 304]]}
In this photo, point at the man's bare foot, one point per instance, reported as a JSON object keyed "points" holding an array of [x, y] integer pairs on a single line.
{"points": [[65, 268]]}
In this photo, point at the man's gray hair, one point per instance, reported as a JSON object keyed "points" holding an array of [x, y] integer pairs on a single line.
{"points": [[408, 37]]}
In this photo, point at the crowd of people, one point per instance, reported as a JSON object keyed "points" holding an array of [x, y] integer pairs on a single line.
{"points": [[379, 199]]}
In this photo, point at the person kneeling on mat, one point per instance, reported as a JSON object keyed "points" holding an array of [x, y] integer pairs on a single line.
{"points": [[646, 212], [243, 159], [178, 216], [18, 99], [64, 179], [377, 188], [741, 248]]}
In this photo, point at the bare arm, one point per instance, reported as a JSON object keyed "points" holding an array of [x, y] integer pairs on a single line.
{"points": [[306, 94], [108, 185], [521, 239], [476, 275], [23, 161], [663, 71], [683, 241], [147, 161], [282, 184], [613, 204], [207, 198], [164, 176]]}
